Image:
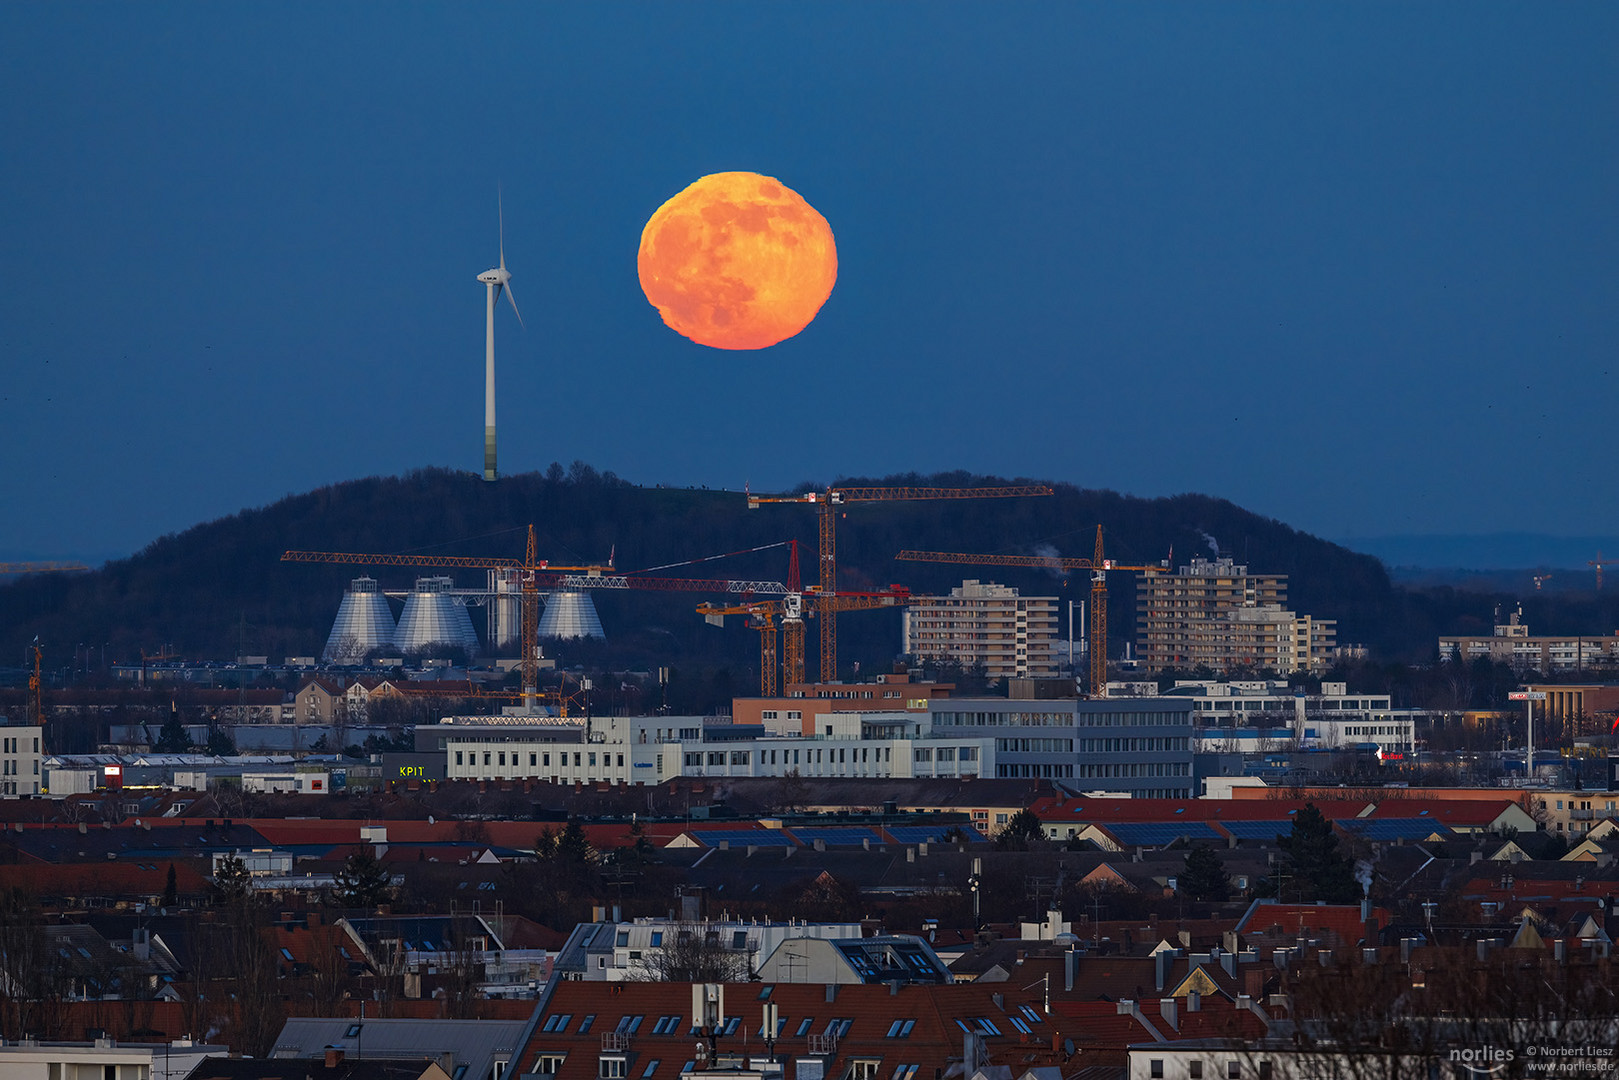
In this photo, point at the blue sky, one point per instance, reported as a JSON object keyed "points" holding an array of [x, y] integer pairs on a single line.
{"points": [[1352, 266]]}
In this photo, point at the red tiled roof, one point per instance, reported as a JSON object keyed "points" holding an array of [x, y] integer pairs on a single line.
{"points": [[1290, 920], [1464, 812], [137, 877], [871, 1011], [1105, 811]]}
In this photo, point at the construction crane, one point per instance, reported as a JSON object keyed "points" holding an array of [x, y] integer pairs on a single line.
{"points": [[531, 578], [42, 567], [528, 566], [826, 502], [1098, 565], [36, 692], [1599, 562], [763, 616], [1540, 578]]}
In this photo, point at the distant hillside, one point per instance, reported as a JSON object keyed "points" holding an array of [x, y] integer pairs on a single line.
{"points": [[219, 588]]}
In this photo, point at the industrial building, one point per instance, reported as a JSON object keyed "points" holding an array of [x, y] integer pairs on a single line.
{"points": [[1140, 747], [1215, 614], [984, 624], [434, 617], [20, 760], [364, 624]]}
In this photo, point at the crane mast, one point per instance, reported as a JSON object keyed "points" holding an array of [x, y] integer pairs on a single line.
{"points": [[1099, 565], [826, 502]]}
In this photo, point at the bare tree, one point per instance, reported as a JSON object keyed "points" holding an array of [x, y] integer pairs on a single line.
{"points": [[695, 954]]}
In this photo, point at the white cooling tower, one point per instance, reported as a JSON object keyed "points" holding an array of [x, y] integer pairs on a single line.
{"points": [[433, 618], [570, 614], [364, 622]]}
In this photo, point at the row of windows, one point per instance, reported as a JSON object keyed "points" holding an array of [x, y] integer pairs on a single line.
{"points": [[10, 766], [1035, 746], [945, 753], [1148, 745], [535, 760], [1016, 772], [1136, 769], [9, 746], [1194, 1069]]}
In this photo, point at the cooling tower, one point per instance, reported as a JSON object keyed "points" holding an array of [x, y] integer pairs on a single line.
{"points": [[570, 615], [364, 622], [433, 618]]}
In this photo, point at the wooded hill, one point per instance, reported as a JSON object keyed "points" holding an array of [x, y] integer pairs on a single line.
{"points": [[219, 589]]}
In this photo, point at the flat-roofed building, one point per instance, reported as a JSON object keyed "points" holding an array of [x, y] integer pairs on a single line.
{"points": [[984, 624], [1218, 615]]}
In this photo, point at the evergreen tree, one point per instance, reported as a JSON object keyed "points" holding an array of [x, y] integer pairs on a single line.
{"points": [[171, 889], [1020, 831], [1314, 867], [1204, 876], [220, 743], [173, 738], [232, 880], [362, 881]]}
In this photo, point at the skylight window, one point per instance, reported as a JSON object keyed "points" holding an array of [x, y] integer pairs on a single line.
{"points": [[803, 1027], [651, 1067], [900, 1029]]}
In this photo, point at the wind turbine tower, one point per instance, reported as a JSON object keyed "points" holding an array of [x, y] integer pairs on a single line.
{"points": [[496, 279]]}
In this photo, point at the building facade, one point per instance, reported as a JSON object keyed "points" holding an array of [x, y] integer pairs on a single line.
{"points": [[1215, 614], [21, 761], [984, 624], [1511, 643]]}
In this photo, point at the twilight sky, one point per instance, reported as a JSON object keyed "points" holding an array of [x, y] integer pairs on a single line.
{"points": [[1354, 266]]}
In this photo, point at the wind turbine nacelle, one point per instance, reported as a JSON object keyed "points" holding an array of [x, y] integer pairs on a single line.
{"points": [[496, 276]]}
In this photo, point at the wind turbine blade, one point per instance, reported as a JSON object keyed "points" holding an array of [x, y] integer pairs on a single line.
{"points": [[500, 207], [513, 299]]}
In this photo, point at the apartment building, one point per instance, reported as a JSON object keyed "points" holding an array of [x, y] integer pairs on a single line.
{"points": [[1511, 643], [1218, 615], [982, 623]]}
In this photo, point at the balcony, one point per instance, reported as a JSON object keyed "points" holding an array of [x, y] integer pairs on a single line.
{"points": [[1581, 815]]}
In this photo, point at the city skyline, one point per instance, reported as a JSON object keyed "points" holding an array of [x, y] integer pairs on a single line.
{"points": [[1350, 267]]}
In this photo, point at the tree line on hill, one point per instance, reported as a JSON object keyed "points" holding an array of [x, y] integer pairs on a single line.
{"points": [[219, 589]]}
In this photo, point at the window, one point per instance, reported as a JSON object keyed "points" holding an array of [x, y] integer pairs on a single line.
{"points": [[623, 940], [666, 1025], [1264, 1070], [900, 1029], [657, 938], [803, 1027], [1157, 1069], [629, 1025], [651, 1067], [1233, 1070], [1194, 1069], [354, 1029], [731, 1025], [584, 1025], [1029, 1014], [555, 1022], [864, 1068], [548, 1064], [905, 1072], [611, 1068], [838, 1026]]}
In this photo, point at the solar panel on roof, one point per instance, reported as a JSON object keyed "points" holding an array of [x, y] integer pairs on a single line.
{"points": [[853, 836], [744, 838], [1257, 830], [1394, 828], [931, 834], [1160, 833]]}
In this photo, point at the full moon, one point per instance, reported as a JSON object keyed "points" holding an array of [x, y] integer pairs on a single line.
{"points": [[737, 261]]}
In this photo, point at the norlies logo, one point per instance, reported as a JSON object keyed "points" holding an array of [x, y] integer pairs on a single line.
{"points": [[1483, 1060]]}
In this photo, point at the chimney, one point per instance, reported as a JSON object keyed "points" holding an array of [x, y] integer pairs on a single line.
{"points": [[334, 1057], [1194, 1001], [1166, 1009], [1126, 1007], [1253, 980], [1229, 941], [618, 914], [831, 992], [1560, 951], [1070, 961], [1405, 949], [1229, 962], [1161, 962], [1244, 1001]]}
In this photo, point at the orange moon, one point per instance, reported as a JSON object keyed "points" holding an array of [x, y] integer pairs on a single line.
{"points": [[737, 261]]}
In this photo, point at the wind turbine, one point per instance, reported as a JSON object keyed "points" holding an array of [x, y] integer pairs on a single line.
{"points": [[496, 279]]}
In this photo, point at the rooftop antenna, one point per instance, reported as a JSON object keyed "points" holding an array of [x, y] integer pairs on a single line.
{"points": [[496, 279]]}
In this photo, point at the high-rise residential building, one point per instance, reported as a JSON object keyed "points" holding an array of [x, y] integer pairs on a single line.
{"points": [[1215, 614], [982, 623]]}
